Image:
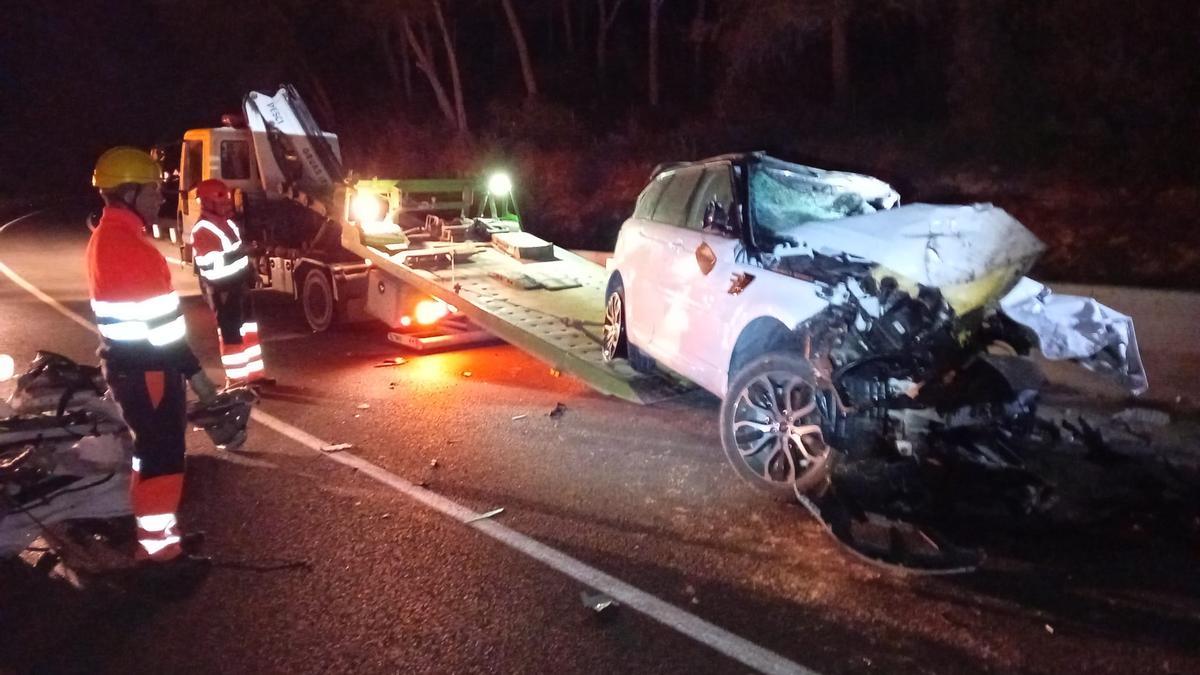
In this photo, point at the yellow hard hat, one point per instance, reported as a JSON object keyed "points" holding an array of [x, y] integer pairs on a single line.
{"points": [[123, 164]]}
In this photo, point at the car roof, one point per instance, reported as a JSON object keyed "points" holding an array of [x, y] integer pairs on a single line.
{"points": [[727, 157]]}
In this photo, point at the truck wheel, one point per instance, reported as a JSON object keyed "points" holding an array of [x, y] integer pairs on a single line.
{"points": [[771, 425], [317, 297]]}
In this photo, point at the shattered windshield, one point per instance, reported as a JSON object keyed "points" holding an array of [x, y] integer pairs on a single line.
{"points": [[784, 198]]}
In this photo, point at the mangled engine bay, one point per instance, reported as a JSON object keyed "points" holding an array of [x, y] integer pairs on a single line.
{"points": [[927, 396]]}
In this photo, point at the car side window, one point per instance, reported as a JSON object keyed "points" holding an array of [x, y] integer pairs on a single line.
{"points": [[716, 186], [649, 197], [672, 208]]}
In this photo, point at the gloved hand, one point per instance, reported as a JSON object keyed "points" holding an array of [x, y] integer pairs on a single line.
{"points": [[205, 390]]}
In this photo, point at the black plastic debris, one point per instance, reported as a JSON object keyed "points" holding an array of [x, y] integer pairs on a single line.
{"points": [[558, 411]]}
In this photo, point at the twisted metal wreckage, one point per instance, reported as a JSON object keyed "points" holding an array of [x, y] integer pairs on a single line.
{"points": [[65, 451], [927, 394]]}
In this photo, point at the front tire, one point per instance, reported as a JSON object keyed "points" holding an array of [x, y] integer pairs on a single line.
{"points": [[772, 425], [316, 295]]}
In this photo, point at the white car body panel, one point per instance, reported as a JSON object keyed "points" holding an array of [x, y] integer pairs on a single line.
{"points": [[690, 322]]}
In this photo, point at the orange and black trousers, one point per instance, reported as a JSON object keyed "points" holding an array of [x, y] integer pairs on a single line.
{"points": [[154, 406]]}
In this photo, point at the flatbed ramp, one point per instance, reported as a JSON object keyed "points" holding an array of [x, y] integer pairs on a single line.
{"points": [[552, 309]]}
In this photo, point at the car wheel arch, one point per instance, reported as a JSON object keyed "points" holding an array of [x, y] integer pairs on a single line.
{"points": [[759, 336]]}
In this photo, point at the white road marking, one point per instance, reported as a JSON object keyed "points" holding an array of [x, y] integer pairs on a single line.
{"points": [[37, 293], [14, 221], [735, 647]]}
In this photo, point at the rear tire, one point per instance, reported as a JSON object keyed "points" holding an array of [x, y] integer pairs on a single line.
{"points": [[316, 296], [616, 342], [771, 425]]}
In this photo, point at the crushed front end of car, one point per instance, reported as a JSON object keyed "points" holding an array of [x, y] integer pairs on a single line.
{"points": [[927, 392]]}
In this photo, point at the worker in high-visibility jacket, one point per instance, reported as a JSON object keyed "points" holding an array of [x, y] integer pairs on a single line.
{"points": [[144, 350], [224, 268]]}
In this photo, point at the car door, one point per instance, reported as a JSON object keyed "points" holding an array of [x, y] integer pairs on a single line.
{"points": [[697, 277], [671, 237], [638, 249]]}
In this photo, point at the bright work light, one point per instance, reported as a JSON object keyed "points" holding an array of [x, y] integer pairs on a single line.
{"points": [[368, 208], [499, 185]]}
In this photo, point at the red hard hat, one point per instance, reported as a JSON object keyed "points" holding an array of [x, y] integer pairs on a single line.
{"points": [[212, 189]]}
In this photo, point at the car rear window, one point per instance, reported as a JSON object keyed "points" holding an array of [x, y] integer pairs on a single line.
{"points": [[672, 208]]}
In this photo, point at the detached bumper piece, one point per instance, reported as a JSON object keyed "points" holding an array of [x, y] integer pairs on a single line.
{"points": [[1079, 329]]}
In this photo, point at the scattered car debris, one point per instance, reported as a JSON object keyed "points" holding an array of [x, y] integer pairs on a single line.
{"points": [[1145, 417], [555, 372], [1050, 629], [559, 410], [484, 516], [336, 447], [519, 417], [603, 606], [467, 373], [433, 463], [387, 363], [364, 406]]}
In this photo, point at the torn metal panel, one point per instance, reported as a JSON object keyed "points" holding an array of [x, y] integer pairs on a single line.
{"points": [[926, 244], [1080, 329]]}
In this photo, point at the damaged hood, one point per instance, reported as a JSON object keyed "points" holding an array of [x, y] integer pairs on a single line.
{"points": [[928, 244]]}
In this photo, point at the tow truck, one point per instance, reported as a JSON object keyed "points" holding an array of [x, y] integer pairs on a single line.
{"points": [[443, 262]]}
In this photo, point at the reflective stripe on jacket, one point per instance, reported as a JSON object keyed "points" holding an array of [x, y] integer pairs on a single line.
{"points": [[218, 251], [137, 311]]}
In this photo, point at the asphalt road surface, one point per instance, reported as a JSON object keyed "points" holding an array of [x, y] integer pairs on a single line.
{"points": [[360, 561]]}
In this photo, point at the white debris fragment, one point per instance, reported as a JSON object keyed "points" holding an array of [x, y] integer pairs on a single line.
{"points": [[1148, 417], [364, 406], [1078, 328], [336, 447], [519, 417], [484, 516]]}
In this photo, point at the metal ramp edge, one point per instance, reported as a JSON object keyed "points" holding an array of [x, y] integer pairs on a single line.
{"points": [[569, 344]]}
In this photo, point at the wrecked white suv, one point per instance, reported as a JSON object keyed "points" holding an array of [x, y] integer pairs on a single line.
{"points": [[869, 356]]}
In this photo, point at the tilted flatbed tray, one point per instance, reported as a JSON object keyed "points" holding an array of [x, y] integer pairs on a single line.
{"points": [[560, 327]]}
